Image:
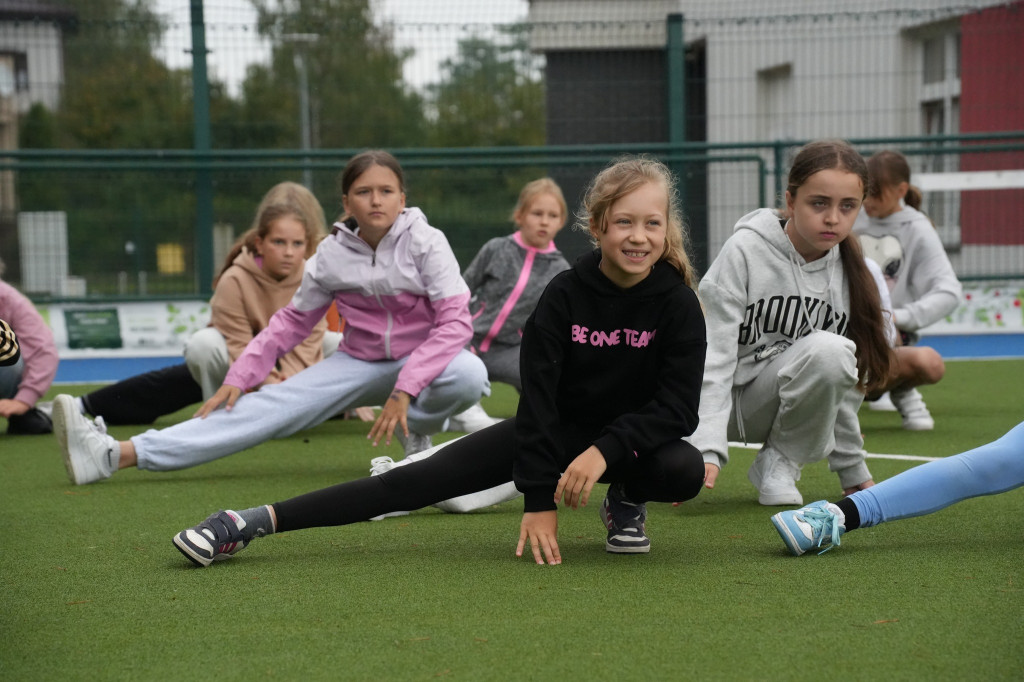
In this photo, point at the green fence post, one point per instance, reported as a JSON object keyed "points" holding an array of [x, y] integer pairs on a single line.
{"points": [[676, 72], [201, 137]]}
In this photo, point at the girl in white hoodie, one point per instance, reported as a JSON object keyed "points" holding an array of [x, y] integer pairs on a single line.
{"points": [[795, 332], [922, 283]]}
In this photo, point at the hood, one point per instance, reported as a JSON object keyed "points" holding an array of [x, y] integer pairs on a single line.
{"points": [[247, 261], [769, 225]]}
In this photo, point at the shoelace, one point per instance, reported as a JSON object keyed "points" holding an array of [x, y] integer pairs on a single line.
{"points": [[378, 465], [817, 518]]}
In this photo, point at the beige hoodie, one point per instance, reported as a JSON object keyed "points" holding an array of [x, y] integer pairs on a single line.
{"points": [[242, 304]]}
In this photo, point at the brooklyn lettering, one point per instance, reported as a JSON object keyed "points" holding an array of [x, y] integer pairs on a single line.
{"points": [[784, 315], [631, 337]]}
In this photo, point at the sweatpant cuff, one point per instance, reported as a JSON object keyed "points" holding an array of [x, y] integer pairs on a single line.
{"points": [[852, 476]]}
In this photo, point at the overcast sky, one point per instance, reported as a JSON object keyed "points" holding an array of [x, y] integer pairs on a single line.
{"points": [[232, 47]]}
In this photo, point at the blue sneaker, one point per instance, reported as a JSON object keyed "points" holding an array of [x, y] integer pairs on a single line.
{"points": [[812, 526], [215, 539], [625, 522]]}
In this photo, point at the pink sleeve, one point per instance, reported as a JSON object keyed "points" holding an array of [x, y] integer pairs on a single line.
{"points": [[453, 329], [288, 327], [38, 350]]}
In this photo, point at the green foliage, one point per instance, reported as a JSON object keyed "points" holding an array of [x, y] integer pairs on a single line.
{"points": [[490, 94], [356, 94]]}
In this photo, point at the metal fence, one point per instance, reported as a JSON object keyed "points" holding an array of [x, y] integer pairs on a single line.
{"points": [[128, 162]]}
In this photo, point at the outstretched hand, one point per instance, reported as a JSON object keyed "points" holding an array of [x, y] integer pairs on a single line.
{"points": [[393, 416], [541, 530], [579, 478], [225, 395]]}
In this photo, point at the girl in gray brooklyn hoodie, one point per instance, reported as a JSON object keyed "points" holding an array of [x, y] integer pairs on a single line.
{"points": [[795, 332]]}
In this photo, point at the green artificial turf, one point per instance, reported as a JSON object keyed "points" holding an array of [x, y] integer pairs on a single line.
{"points": [[91, 587]]}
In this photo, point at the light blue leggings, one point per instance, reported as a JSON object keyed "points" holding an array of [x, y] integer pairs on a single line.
{"points": [[992, 468]]}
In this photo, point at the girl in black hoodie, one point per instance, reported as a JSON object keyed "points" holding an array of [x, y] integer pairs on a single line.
{"points": [[612, 361]]}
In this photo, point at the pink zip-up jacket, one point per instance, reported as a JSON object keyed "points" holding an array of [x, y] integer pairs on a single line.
{"points": [[407, 298]]}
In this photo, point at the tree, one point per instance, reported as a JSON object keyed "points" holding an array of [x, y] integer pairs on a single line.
{"points": [[490, 94], [356, 94]]}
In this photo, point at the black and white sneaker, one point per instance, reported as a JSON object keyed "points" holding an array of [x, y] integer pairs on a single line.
{"points": [[215, 539], [625, 522]]}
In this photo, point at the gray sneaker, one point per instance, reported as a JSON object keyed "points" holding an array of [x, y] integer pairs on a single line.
{"points": [[217, 538], [88, 451], [416, 442], [625, 522]]}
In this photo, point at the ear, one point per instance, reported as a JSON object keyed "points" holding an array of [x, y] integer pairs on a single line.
{"points": [[903, 188], [789, 204], [403, 199], [344, 203]]}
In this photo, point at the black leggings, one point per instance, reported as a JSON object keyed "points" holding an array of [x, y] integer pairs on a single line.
{"points": [[142, 398], [672, 473]]}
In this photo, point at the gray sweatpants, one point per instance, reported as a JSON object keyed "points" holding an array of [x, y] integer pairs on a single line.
{"points": [[804, 404], [312, 396]]}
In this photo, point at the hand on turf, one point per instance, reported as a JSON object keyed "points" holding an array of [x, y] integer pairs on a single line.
{"points": [[396, 409], [10, 408], [710, 475], [225, 395], [541, 529], [860, 486], [579, 478]]}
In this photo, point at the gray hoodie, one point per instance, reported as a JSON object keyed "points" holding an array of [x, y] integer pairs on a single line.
{"points": [[921, 280], [759, 296]]}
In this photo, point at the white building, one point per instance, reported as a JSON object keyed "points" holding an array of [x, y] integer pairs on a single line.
{"points": [[761, 71]]}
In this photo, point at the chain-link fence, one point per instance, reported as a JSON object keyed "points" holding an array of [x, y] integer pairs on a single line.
{"points": [[129, 162]]}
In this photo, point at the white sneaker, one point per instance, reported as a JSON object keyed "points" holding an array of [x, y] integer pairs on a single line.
{"points": [[378, 465], [882, 404], [46, 407], [775, 478], [910, 404], [88, 451], [471, 420]]}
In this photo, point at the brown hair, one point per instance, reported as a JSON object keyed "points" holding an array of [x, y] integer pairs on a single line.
{"points": [[867, 328], [359, 164], [534, 189], [619, 179], [888, 169], [284, 199]]}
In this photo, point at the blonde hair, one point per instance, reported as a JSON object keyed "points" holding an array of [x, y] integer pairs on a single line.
{"points": [[536, 188], [623, 176], [284, 199]]}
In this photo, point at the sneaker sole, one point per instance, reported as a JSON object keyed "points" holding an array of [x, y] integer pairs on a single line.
{"points": [[60, 429], [183, 546], [791, 542], [780, 500], [616, 549], [389, 515]]}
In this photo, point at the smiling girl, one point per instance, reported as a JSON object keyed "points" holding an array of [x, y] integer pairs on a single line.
{"points": [[796, 332], [395, 281], [612, 362]]}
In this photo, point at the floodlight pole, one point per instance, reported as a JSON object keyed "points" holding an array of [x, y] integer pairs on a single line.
{"points": [[299, 57]]}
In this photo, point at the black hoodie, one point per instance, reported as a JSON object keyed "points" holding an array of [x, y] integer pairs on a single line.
{"points": [[617, 368]]}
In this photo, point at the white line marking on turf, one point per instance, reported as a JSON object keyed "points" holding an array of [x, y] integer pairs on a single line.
{"points": [[872, 455]]}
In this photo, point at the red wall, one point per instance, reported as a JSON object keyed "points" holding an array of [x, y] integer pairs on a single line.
{"points": [[992, 99]]}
